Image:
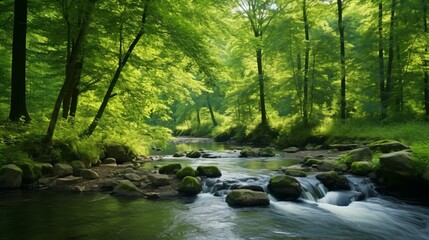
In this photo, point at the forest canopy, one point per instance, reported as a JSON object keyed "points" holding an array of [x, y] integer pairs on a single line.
{"points": [[136, 71]]}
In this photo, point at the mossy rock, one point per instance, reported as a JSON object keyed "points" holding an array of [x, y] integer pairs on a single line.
{"points": [[285, 188], [172, 168], [333, 181], [267, 152], [361, 168], [248, 152], [179, 154], [398, 163], [62, 169], [193, 154], [119, 152], [77, 165], [209, 171], [312, 161], [247, 198], [10, 176], [126, 188], [190, 186], [387, 146], [30, 172], [356, 155], [186, 171], [293, 172]]}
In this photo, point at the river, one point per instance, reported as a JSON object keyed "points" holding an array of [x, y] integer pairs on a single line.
{"points": [[317, 215]]}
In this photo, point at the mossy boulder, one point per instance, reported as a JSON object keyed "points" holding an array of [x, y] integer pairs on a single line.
{"points": [[387, 146], [159, 180], [248, 152], [326, 165], [62, 169], [209, 171], [285, 188], [356, 155], [89, 174], [311, 162], [186, 171], [179, 154], [333, 181], [119, 152], [247, 198], [293, 172], [10, 176], [172, 168], [193, 154], [30, 172], [398, 163], [190, 186], [267, 152], [47, 169], [361, 168], [126, 188]]}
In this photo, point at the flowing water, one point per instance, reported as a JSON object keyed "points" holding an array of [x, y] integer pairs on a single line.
{"points": [[319, 214]]}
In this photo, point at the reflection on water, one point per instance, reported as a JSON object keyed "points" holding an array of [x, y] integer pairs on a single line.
{"points": [[48, 215]]}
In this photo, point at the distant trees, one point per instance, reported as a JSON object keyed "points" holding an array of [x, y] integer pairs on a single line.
{"points": [[18, 102]]}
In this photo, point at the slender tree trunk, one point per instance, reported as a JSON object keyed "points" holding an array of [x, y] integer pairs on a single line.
{"points": [[18, 102], [68, 83], [264, 121], [198, 118], [399, 96], [76, 91], [115, 78], [343, 60], [425, 62], [389, 76], [306, 65], [383, 100], [209, 105]]}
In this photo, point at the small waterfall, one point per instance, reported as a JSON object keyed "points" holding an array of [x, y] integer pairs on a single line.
{"points": [[362, 185], [312, 188]]}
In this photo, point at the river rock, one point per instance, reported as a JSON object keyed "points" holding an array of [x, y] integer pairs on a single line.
{"points": [[255, 188], [66, 181], [193, 154], [77, 165], [293, 172], [30, 172], [190, 186], [398, 163], [343, 147], [267, 152], [356, 155], [326, 165], [186, 171], [284, 188], [47, 169], [10, 176], [209, 171], [387, 146], [361, 168], [109, 160], [89, 174], [126, 188], [119, 152], [210, 155], [179, 154], [333, 181], [247, 198], [62, 169], [291, 150], [170, 168], [248, 152], [132, 177], [159, 180]]}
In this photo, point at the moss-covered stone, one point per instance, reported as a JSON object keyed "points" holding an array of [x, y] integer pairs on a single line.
{"points": [[294, 172], [209, 171], [333, 181], [119, 152], [62, 170], [248, 152], [126, 188], [10, 176], [357, 155], [247, 198], [77, 165], [159, 180], [179, 154], [190, 186], [89, 174], [361, 168], [193, 154], [30, 172], [387, 146], [267, 152], [170, 168], [285, 188], [186, 171], [312, 161]]}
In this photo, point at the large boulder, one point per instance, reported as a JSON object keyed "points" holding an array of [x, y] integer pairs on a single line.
{"points": [[159, 180], [89, 174], [193, 154], [386, 146], [333, 182], [179, 154], [356, 155], [190, 186], [126, 188], [361, 168], [170, 168], [63, 182], [285, 188], [10, 176], [186, 171], [209, 171], [77, 167], [293, 172], [248, 152], [397, 163], [247, 198], [47, 169], [132, 177], [267, 152], [119, 152], [30, 172], [62, 170]]}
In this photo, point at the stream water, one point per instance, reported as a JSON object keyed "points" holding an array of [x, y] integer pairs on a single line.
{"points": [[357, 214]]}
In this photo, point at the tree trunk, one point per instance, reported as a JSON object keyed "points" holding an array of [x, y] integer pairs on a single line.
{"points": [[383, 100], [389, 77], [399, 94], [115, 78], [68, 83], [76, 91], [198, 118], [306, 65], [264, 121], [209, 105], [343, 60], [425, 61], [18, 102]]}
